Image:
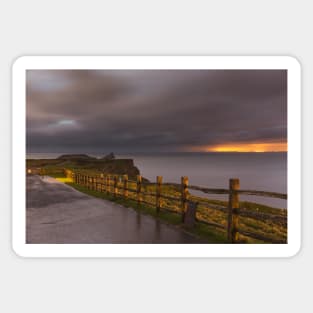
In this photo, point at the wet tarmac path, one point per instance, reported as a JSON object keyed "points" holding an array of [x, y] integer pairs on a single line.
{"points": [[57, 213]]}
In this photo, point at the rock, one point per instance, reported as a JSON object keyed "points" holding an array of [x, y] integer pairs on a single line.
{"points": [[75, 157], [109, 157]]}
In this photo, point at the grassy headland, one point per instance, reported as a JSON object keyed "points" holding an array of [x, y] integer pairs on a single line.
{"points": [[84, 163]]}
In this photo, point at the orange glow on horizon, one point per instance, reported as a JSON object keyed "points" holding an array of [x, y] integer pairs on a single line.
{"points": [[248, 147]]}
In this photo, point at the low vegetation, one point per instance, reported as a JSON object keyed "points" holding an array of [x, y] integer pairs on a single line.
{"points": [[208, 210], [84, 163], [208, 234]]}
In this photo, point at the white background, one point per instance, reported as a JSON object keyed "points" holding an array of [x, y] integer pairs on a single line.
{"points": [[164, 28], [154, 62]]}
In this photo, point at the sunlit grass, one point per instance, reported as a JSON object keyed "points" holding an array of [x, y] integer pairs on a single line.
{"points": [[205, 211], [64, 179], [208, 234]]}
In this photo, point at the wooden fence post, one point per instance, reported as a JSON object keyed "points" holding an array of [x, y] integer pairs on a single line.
{"points": [[190, 214], [115, 185], [184, 194], [96, 183], [125, 186], [233, 206], [104, 183], [108, 184], [98, 180], [139, 196], [101, 182], [158, 193]]}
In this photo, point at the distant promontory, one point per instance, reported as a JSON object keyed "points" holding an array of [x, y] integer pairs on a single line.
{"points": [[108, 164]]}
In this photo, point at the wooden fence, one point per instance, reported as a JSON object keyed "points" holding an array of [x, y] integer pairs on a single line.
{"points": [[119, 186]]}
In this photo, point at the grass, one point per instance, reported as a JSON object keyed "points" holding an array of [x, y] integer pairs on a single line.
{"points": [[64, 179], [205, 211], [208, 234], [54, 167]]}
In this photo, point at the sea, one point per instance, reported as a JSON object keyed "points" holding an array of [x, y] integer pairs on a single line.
{"points": [[256, 171]]}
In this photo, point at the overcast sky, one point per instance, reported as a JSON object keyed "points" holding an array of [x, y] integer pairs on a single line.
{"points": [[129, 111]]}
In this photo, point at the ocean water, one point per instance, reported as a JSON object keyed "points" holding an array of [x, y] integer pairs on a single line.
{"points": [[256, 171]]}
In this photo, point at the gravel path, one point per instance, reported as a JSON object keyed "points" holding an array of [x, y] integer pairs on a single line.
{"points": [[57, 213]]}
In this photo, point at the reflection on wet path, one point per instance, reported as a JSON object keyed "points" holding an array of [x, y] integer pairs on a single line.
{"points": [[56, 213]]}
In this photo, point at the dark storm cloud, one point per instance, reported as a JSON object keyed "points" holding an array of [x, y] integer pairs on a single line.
{"points": [[131, 111]]}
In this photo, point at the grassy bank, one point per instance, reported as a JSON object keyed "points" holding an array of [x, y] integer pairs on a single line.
{"points": [[90, 166], [204, 212], [208, 234]]}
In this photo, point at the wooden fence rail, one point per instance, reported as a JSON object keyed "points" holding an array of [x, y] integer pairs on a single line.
{"points": [[120, 186]]}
